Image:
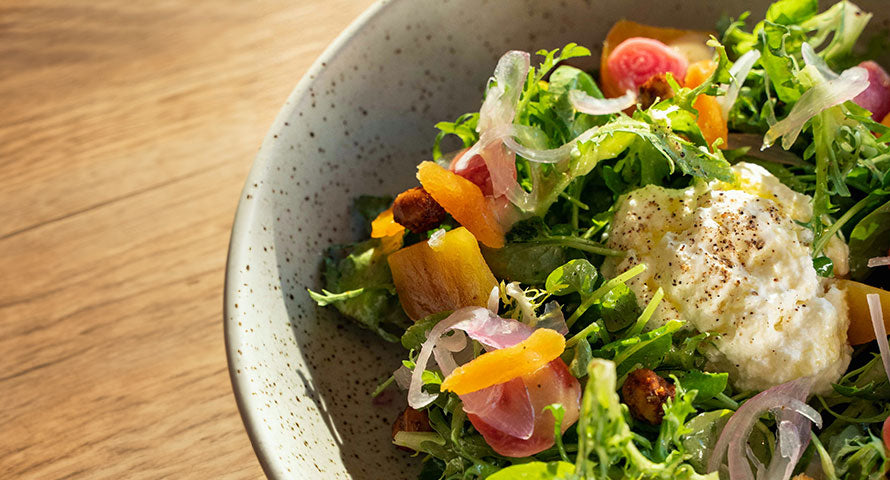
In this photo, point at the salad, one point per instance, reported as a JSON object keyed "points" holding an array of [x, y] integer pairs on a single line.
{"points": [[674, 267]]}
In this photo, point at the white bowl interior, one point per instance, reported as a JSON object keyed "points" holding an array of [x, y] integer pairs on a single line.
{"points": [[358, 123]]}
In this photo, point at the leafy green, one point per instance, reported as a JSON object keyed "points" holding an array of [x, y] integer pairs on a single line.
{"points": [[369, 206], [535, 232], [416, 334], [869, 238], [528, 263], [535, 471], [619, 308], [702, 432], [358, 283], [869, 382], [326, 298], [558, 412], [788, 12], [606, 447], [857, 454], [824, 266], [581, 356], [576, 276], [464, 128], [673, 424], [646, 349], [708, 385]]}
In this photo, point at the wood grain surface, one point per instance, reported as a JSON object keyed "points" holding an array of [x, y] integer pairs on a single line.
{"points": [[126, 132]]}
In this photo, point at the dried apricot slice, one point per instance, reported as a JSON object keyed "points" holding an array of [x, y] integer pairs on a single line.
{"points": [[499, 366], [710, 116], [463, 200]]}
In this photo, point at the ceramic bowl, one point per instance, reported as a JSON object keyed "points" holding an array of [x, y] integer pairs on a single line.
{"points": [[358, 123]]}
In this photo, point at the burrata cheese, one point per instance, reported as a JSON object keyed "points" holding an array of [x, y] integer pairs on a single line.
{"points": [[733, 260]]}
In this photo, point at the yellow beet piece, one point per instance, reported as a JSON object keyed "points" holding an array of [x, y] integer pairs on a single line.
{"points": [[861, 329], [385, 225], [463, 200], [499, 366], [450, 276]]}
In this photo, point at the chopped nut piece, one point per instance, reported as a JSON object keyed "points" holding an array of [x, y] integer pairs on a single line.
{"points": [[645, 393], [411, 420], [416, 210], [655, 89]]}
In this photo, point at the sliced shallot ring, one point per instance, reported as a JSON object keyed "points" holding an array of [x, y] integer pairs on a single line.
{"points": [[590, 105], [738, 73], [877, 321], [823, 95], [878, 262], [786, 401]]}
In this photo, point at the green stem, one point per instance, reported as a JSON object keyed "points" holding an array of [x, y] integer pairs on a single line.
{"points": [[729, 402], [579, 243], [836, 226], [647, 313], [380, 388], [604, 289], [583, 334]]}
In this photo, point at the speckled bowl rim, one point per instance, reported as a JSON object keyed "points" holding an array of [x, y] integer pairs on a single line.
{"points": [[244, 216]]}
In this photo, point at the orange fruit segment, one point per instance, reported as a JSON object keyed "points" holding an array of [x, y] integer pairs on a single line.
{"points": [[710, 117], [861, 329], [690, 43], [499, 366], [450, 275], [385, 225], [463, 200]]}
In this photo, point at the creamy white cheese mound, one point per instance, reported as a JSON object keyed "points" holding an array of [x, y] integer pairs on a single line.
{"points": [[732, 261]]}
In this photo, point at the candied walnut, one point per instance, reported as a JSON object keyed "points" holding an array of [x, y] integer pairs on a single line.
{"points": [[645, 392], [411, 420], [655, 89], [416, 210]]}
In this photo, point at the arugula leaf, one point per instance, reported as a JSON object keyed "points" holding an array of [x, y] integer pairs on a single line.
{"points": [[358, 283], [857, 455], [867, 382], [683, 354], [326, 298]]}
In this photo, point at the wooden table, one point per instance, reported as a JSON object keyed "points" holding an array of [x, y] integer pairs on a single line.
{"points": [[126, 132]]}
